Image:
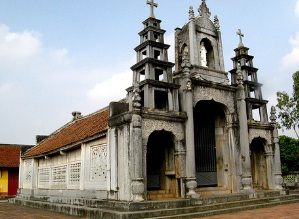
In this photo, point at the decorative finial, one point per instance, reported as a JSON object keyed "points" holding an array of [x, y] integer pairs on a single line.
{"points": [[273, 116], [239, 77], [191, 13], [136, 97], [203, 10], [240, 35], [216, 22], [185, 61], [152, 4]]}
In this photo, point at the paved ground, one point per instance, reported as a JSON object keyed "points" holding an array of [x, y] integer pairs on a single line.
{"points": [[12, 211], [290, 211]]}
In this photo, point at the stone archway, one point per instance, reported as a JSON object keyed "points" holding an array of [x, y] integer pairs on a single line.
{"points": [[160, 165], [258, 163]]}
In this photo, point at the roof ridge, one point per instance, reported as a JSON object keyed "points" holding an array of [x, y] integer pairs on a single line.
{"points": [[70, 123], [66, 126]]}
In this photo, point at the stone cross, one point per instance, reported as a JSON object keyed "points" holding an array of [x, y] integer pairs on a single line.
{"points": [[240, 35], [152, 4]]}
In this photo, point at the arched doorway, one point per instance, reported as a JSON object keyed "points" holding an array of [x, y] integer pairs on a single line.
{"points": [[258, 163], [160, 162], [209, 134]]}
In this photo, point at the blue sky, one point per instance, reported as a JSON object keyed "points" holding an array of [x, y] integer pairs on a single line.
{"points": [[62, 56]]}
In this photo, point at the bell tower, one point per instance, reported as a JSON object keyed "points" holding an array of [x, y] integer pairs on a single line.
{"points": [[153, 72], [253, 93], [201, 39]]}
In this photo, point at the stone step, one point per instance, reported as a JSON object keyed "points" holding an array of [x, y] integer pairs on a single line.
{"points": [[208, 191], [159, 195], [224, 210], [175, 209]]}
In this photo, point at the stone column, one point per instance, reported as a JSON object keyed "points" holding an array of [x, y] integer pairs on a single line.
{"points": [[269, 160], [137, 152], [278, 180], [246, 178], [194, 57], [191, 183], [220, 49], [180, 165]]}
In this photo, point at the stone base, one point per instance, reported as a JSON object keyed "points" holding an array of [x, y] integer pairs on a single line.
{"points": [[250, 192], [190, 208]]}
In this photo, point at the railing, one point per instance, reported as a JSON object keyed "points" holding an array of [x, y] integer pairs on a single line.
{"points": [[291, 179], [67, 174]]}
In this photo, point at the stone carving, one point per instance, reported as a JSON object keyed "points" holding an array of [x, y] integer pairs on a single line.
{"points": [[74, 177], [188, 85], [216, 22], [136, 98], [259, 133], [203, 10], [203, 55], [98, 163], [191, 13], [44, 177], [153, 125], [220, 96], [59, 174], [28, 170]]}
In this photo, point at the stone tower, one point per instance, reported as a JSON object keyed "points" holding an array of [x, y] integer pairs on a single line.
{"points": [[253, 92]]}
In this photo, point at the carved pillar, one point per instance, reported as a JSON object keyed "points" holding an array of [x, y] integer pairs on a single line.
{"points": [[220, 49], [269, 161], [180, 165], [246, 178], [278, 180], [191, 183], [194, 57], [137, 153]]}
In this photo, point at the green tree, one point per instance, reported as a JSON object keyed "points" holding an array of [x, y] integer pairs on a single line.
{"points": [[289, 107], [289, 153]]}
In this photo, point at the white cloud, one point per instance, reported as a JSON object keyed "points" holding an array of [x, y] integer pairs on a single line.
{"points": [[169, 39], [14, 47], [291, 60], [112, 89]]}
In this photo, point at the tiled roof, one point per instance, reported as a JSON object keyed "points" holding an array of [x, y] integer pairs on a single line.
{"points": [[9, 155], [72, 133]]}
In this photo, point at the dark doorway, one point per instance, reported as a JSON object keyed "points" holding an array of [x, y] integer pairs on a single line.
{"points": [[258, 164], [160, 162], [13, 181], [208, 116]]}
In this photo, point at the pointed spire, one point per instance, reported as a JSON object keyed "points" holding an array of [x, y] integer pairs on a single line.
{"points": [[152, 4], [216, 22], [203, 10], [191, 13]]}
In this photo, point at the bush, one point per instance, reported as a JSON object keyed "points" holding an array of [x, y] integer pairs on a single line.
{"points": [[289, 153]]}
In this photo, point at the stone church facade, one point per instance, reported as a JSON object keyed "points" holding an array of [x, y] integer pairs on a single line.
{"points": [[178, 134]]}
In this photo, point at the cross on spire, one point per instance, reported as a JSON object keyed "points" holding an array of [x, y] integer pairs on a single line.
{"points": [[152, 4], [240, 35]]}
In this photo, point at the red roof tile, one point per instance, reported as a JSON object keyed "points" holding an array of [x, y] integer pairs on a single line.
{"points": [[72, 133], [9, 156]]}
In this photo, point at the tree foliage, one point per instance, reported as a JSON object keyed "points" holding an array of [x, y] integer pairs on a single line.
{"points": [[289, 153], [289, 107]]}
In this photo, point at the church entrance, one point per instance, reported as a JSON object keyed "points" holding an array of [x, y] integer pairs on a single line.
{"points": [[209, 125], [258, 163], [161, 175]]}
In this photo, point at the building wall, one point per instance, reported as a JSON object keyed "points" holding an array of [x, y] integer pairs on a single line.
{"points": [[3, 182]]}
